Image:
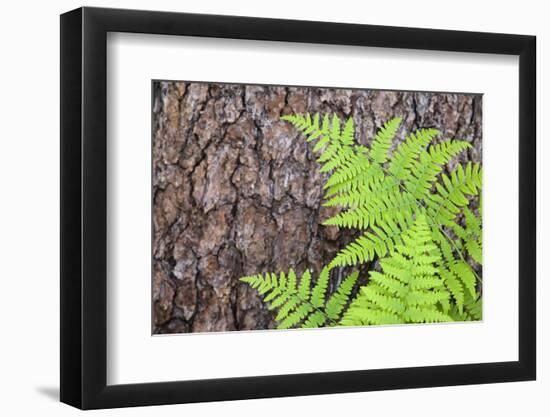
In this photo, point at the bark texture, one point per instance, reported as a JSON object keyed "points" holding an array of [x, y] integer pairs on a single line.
{"points": [[238, 192]]}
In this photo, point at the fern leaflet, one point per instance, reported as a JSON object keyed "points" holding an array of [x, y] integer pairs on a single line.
{"points": [[299, 305]]}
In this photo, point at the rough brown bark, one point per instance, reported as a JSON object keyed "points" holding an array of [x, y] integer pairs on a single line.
{"points": [[238, 192]]}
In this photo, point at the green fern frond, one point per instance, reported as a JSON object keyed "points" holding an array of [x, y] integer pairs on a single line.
{"points": [[375, 210], [448, 200], [442, 153], [357, 171], [374, 197], [429, 165], [299, 305], [334, 143], [408, 290], [340, 298], [472, 310], [408, 151], [320, 289], [364, 186], [366, 179], [381, 145], [458, 276], [465, 274], [379, 242], [454, 286], [405, 207], [473, 240], [347, 137], [304, 288]]}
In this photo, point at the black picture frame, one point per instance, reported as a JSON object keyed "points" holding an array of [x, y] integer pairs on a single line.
{"points": [[84, 207]]}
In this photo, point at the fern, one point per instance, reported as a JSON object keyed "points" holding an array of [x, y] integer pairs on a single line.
{"points": [[297, 303], [336, 144], [409, 288], [382, 142], [412, 216], [383, 194], [472, 309]]}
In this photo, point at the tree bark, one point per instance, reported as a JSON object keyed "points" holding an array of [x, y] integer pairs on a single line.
{"points": [[238, 192]]}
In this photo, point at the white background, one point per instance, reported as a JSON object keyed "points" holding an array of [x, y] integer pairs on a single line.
{"points": [[133, 60], [29, 214]]}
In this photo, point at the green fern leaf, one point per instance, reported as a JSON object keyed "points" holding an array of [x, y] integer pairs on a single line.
{"points": [[379, 242], [320, 289], [429, 165], [472, 310], [305, 282], [340, 298], [408, 290], [294, 318], [317, 319], [382, 142], [464, 272], [454, 286], [375, 210], [299, 305], [408, 151], [384, 196]]}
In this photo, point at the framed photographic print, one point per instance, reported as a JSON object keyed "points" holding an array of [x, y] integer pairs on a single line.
{"points": [[254, 208]]}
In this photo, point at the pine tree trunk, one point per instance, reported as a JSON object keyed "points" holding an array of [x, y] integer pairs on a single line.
{"points": [[238, 192]]}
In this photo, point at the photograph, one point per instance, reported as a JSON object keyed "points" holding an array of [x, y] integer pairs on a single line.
{"points": [[282, 208], [293, 207]]}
